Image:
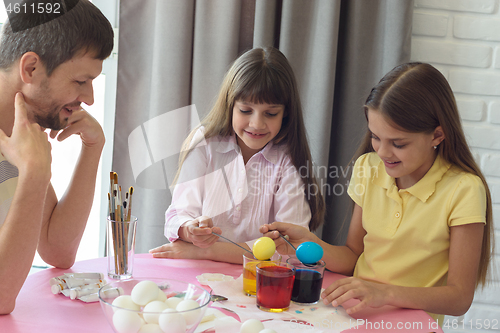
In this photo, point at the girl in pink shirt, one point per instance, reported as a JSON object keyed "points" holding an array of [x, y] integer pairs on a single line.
{"points": [[247, 164]]}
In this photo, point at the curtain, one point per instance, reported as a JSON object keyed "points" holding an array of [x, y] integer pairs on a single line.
{"points": [[173, 55]]}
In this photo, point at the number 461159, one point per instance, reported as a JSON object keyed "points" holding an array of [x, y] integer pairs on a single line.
{"points": [[478, 324], [38, 8]]}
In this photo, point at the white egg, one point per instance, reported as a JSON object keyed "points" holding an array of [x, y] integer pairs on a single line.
{"points": [[191, 316], [154, 306], [150, 328], [266, 330], [145, 292], [172, 302], [172, 322], [161, 296], [251, 326], [126, 321], [125, 302]]}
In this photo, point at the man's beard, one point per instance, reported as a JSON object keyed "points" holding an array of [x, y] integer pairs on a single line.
{"points": [[51, 120]]}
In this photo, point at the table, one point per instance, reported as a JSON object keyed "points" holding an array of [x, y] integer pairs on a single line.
{"points": [[38, 310]]}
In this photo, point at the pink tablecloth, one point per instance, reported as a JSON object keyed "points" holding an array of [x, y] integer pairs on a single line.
{"points": [[38, 310]]}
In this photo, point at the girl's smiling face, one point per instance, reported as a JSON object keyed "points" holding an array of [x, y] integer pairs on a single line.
{"points": [[255, 125], [407, 156]]}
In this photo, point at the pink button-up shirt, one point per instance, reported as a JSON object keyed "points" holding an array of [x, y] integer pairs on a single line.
{"points": [[215, 182]]}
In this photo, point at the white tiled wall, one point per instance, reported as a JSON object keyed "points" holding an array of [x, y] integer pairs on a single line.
{"points": [[462, 39]]}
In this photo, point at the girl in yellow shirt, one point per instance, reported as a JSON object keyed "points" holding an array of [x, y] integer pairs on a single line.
{"points": [[420, 230]]}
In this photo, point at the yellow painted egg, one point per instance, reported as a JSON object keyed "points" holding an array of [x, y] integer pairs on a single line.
{"points": [[264, 248]]}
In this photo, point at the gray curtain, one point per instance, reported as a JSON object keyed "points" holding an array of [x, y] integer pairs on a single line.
{"points": [[172, 58]]}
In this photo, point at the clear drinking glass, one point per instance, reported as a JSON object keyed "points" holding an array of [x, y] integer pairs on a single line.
{"points": [[121, 247], [250, 271], [274, 286], [308, 281]]}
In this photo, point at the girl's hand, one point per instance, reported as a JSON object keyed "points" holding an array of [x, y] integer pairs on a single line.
{"points": [[178, 250], [199, 232], [296, 235], [371, 294]]}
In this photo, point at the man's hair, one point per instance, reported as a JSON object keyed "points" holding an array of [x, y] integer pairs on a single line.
{"points": [[55, 38]]}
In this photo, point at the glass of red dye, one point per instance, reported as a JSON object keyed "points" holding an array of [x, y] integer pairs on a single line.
{"points": [[308, 281], [274, 286]]}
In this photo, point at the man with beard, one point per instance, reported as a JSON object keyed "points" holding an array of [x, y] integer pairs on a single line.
{"points": [[47, 64]]}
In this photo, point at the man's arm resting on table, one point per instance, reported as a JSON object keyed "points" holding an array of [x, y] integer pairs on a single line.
{"points": [[19, 237], [64, 221], [29, 150]]}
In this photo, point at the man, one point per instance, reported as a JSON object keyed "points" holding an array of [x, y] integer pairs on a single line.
{"points": [[47, 65]]}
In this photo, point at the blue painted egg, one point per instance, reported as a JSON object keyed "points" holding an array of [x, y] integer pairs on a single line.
{"points": [[309, 253]]}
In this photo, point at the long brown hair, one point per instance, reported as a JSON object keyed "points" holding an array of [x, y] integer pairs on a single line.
{"points": [[263, 75], [416, 97]]}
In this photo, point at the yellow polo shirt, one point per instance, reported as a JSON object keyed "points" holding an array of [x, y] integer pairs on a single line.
{"points": [[408, 231]]}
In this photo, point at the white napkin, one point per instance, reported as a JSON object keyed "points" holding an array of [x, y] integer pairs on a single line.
{"points": [[324, 318]]}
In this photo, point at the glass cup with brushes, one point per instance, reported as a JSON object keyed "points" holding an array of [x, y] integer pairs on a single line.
{"points": [[121, 230]]}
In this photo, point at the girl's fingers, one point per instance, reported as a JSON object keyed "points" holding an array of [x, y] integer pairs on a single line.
{"points": [[199, 231], [205, 242], [334, 286], [164, 251], [339, 292], [358, 307], [157, 249], [202, 237], [267, 228], [217, 230], [279, 226], [204, 221], [345, 295], [271, 234], [263, 229], [159, 255], [370, 294]]}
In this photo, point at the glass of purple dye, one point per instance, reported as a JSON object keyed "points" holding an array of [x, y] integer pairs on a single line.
{"points": [[308, 281]]}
